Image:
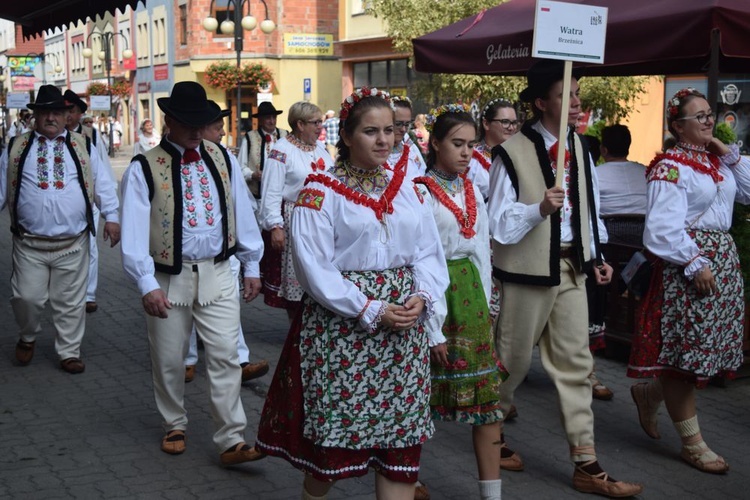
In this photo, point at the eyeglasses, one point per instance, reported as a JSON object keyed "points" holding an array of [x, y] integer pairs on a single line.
{"points": [[701, 118], [507, 123], [317, 123], [407, 125]]}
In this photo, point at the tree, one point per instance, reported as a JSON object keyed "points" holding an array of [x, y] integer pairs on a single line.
{"points": [[612, 97]]}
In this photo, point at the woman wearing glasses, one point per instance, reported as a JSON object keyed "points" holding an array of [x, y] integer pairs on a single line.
{"points": [[691, 327], [499, 122], [405, 154], [290, 161]]}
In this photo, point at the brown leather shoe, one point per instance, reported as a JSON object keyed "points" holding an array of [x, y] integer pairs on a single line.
{"points": [[510, 414], [24, 352], [174, 442], [189, 373], [72, 365], [420, 492], [599, 485], [599, 390], [254, 370], [509, 459], [646, 410], [91, 307], [239, 453]]}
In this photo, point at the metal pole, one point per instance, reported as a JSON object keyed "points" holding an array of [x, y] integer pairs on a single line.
{"points": [[108, 62], [238, 4]]}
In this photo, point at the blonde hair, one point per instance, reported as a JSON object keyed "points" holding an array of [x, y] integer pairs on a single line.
{"points": [[303, 110]]}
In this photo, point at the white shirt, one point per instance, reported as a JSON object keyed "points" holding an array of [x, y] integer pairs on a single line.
{"points": [[284, 174], [416, 165], [456, 246], [510, 220], [344, 236], [199, 242], [693, 200], [145, 143], [622, 188], [58, 213]]}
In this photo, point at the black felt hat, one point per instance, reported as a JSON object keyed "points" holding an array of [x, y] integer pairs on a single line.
{"points": [[49, 97], [73, 99], [220, 113], [188, 104], [266, 109], [542, 75]]}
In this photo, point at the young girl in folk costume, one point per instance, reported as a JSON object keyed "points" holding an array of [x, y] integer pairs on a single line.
{"points": [[690, 328], [405, 153], [499, 123], [351, 390], [465, 373]]}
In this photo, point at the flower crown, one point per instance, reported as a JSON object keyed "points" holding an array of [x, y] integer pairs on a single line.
{"points": [[360, 94], [504, 103], [673, 106], [401, 98], [441, 110]]}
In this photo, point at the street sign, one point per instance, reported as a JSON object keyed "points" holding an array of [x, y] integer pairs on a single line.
{"points": [[17, 100], [307, 88], [100, 102]]}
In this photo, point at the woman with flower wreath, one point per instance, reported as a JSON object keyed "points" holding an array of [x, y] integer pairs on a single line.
{"points": [[291, 160], [691, 326], [351, 390], [405, 152], [499, 123], [466, 376]]}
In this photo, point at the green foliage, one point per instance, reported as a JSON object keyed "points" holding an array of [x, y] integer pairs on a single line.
{"points": [[225, 75], [97, 88], [725, 134], [595, 129], [615, 96]]}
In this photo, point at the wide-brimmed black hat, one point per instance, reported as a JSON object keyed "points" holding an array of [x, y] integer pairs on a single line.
{"points": [[49, 97], [73, 99], [266, 109], [542, 75], [219, 113], [188, 104]]}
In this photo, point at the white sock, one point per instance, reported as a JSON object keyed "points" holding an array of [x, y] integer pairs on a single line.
{"points": [[490, 490]]}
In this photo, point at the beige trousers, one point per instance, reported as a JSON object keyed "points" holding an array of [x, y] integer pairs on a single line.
{"points": [[555, 318], [54, 271], [215, 311]]}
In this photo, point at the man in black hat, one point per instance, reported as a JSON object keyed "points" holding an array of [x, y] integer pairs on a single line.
{"points": [[56, 179], [543, 240], [256, 145], [185, 211], [74, 124]]}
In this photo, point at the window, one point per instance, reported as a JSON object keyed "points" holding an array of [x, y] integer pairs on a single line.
{"points": [[183, 24], [223, 11], [393, 75], [360, 6]]}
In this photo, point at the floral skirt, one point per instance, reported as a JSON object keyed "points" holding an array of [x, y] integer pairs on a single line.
{"points": [[280, 286], [682, 333], [344, 399], [596, 296], [467, 389]]}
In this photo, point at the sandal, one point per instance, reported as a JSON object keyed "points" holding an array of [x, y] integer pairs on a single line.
{"points": [[174, 442], [509, 459], [646, 411], [702, 458]]}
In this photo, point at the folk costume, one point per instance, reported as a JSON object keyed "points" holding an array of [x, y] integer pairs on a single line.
{"points": [[107, 176], [255, 149], [51, 187], [349, 394], [466, 390], [287, 166], [145, 142], [539, 265], [407, 153], [181, 222], [479, 168], [682, 333]]}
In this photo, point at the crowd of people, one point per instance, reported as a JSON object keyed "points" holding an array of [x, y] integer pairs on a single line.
{"points": [[418, 268]]}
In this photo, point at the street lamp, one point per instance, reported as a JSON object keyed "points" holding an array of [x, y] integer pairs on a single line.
{"points": [[42, 57], [228, 26], [105, 55]]}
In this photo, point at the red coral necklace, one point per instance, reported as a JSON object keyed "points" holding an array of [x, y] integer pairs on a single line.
{"points": [[466, 219]]}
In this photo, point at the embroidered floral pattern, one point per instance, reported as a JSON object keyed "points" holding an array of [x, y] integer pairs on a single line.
{"points": [[567, 209], [310, 198], [365, 389], [483, 155], [188, 193], [664, 167], [58, 163], [369, 183], [294, 140], [277, 155]]}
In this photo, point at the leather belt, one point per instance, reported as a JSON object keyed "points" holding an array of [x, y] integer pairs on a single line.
{"points": [[568, 253]]}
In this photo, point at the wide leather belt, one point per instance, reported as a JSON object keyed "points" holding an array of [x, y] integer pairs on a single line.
{"points": [[568, 253]]}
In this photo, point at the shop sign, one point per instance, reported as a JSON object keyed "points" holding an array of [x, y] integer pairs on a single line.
{"points": [[731, 94], [144, 87], [308, 44], [161, 72]]}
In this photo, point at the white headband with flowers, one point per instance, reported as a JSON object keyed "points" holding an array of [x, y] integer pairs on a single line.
{"points": [[441, 110], [360, 94]]}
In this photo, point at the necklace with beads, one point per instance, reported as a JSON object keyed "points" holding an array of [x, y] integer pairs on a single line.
{"points": [[451, 183], [365, 181], [466, 218]]}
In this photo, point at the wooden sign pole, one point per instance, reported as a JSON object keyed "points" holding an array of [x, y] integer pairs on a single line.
{"points": [[562, 136]]}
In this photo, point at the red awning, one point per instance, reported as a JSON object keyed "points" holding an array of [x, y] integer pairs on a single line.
{"points": [[37, 16], [644, 37]]}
